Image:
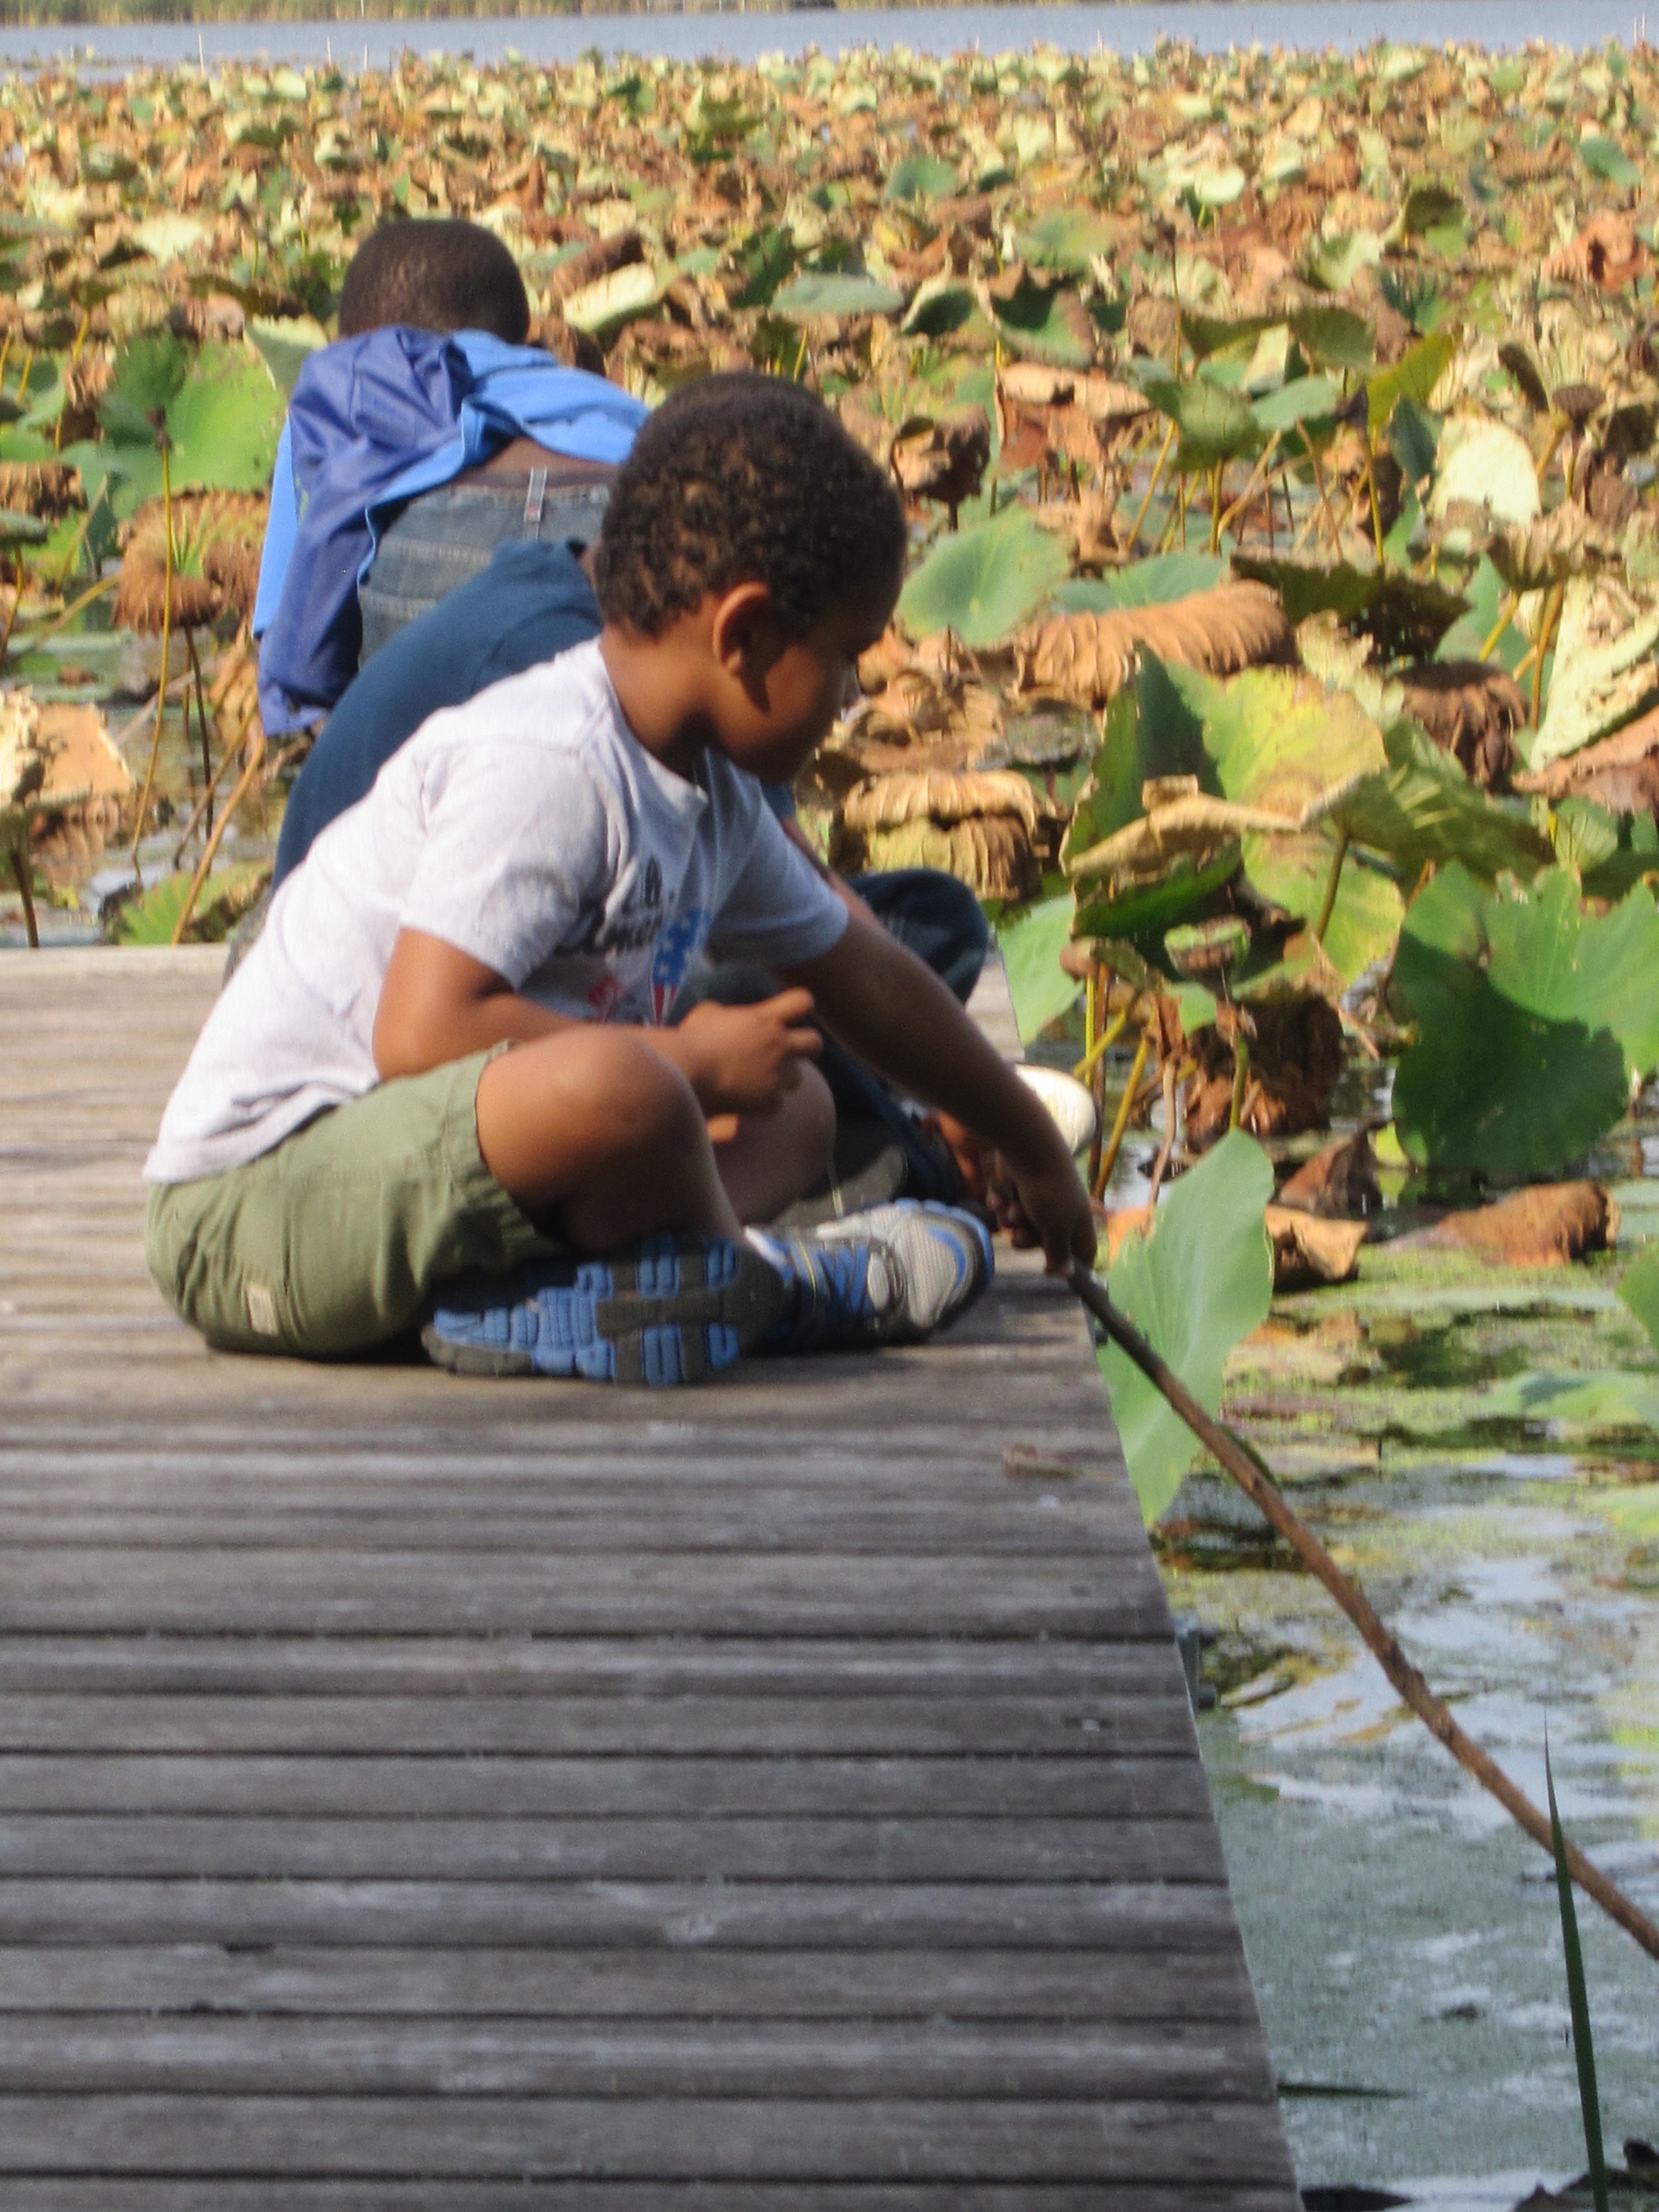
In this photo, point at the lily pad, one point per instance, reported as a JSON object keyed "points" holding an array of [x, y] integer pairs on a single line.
{"points": [[1214, 423], [1030, 946], [922, 177], [1532, 1018], [1195, 1286], [1334, 338], [835, 293], [1045, 324], [983, 583]]}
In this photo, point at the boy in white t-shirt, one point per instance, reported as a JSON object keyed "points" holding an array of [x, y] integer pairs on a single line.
{"points": [[354, 1149]]}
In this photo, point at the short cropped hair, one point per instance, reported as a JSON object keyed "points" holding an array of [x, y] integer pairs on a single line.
{"points": [[433, 276], [745, 478]]}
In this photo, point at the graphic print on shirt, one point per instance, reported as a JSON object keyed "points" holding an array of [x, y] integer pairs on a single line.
{"points": [[677, 949]]}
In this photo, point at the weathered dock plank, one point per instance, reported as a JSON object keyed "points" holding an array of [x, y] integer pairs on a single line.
{"points": [[418, 1794]]}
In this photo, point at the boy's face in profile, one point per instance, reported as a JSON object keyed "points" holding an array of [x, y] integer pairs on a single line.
{"points": [[780, 696]]}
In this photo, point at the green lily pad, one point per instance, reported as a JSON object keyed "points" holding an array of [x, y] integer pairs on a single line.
{"points": [[1606, 158], [1071, 241], [1214, 423], [1424, 812], [1532, 1018], [1142, 917], [983, 583], [1638, 1288], [1195, 1287], [833, 292], [922, 177], [1045, 324], [1303, 399], [1334, 338], [1430, 207], [1030, 946], [1211, 334], [1414, 376]]}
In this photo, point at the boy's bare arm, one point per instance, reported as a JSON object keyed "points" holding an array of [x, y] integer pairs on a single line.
{"points": [[892, 1010], [438, 1004]]}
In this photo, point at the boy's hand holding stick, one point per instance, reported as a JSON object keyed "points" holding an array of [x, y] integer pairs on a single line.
{"points": [[887, 1006]]}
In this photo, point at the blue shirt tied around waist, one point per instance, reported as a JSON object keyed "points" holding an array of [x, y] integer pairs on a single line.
{"points": [[374, 421]]}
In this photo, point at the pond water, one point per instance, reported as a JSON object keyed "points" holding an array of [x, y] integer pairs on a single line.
{"points": [[355, 42]]}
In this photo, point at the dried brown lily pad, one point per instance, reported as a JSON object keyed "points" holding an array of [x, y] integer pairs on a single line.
{"points": [[1546, 1226], [1621, 773], [1088, 659], [945, 460], [1471, 710], [1607, 254], [216, 539], [1295, 1050], [47, 489]]}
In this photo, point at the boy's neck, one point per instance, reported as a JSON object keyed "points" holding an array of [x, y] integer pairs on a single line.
{"points": [[659, 684]]}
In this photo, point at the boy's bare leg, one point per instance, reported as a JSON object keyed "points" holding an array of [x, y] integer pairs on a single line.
{"points": [[775, 1158], [593, 1123]]}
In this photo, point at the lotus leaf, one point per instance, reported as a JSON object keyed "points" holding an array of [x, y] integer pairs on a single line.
{"points": [[1030, 945], [1070, 240], [1215, 424], [829, 294], [1142, 915], [983, 583], [1195, 1285], [614, 299], [1604, 672], [1638, 1288], [1485, 463], [1334, 338], [1414, 376], [1043, 324], [1532, 1018], [1305, 399], [922, 177]]}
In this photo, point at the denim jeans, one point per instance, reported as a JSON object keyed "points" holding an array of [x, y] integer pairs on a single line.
{"points": [[447, 536]]}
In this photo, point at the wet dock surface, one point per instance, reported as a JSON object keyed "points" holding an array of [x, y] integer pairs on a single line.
{"points": [[418, 1793]]}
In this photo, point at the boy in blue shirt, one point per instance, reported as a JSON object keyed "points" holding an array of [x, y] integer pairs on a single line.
{"points": [[442, 1086]]}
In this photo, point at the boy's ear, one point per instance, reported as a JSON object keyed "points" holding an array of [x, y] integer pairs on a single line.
{"points": [[744, 634]]}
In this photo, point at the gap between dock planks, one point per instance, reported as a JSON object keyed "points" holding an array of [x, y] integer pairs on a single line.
{"points": [[414, 1793]]}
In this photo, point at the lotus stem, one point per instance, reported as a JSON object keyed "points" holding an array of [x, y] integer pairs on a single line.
{"points": [[11, 613], [1151, 486], [21, 869], [1327, 905], [1235, 1456], [1376, 512], [202, 718], [1505, 617], [209, 851], [1165, 1150], [1241, 1079], [66, 615], [1249, 492], [206, 799], [1215, 508], [161, 682], [1101, 1045], [1181, 482], [1552, 615], [1125, 1108], [23, 378]]}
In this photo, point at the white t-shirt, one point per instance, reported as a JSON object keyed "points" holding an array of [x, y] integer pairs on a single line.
{"points": [[530, 829]]}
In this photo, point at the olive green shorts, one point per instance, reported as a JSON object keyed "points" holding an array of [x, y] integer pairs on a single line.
{"points": [[334, 1242]]}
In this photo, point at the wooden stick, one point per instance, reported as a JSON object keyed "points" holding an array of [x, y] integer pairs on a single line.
{"points": [[1433, 1712]]}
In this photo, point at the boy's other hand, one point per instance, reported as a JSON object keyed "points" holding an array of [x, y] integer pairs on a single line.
{"points": [[742, 1060]]}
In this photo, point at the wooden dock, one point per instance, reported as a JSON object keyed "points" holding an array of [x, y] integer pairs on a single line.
{"points": [[419, 1795]]}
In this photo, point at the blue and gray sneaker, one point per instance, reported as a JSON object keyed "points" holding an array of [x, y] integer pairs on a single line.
{"points": [[891, 1275], [668, 1309]]}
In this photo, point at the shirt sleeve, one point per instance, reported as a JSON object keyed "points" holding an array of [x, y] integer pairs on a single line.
{"points": [[516, 845], [780, 908]]}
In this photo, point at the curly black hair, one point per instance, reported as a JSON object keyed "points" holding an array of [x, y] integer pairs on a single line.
{"points": [[434, 275], [745, 478]]}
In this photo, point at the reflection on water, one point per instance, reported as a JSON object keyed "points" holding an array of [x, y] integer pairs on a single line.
{"points": [[736, 35]]}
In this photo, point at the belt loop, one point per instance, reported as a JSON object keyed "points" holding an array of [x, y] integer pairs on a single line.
{"points": [[534, 497]]}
